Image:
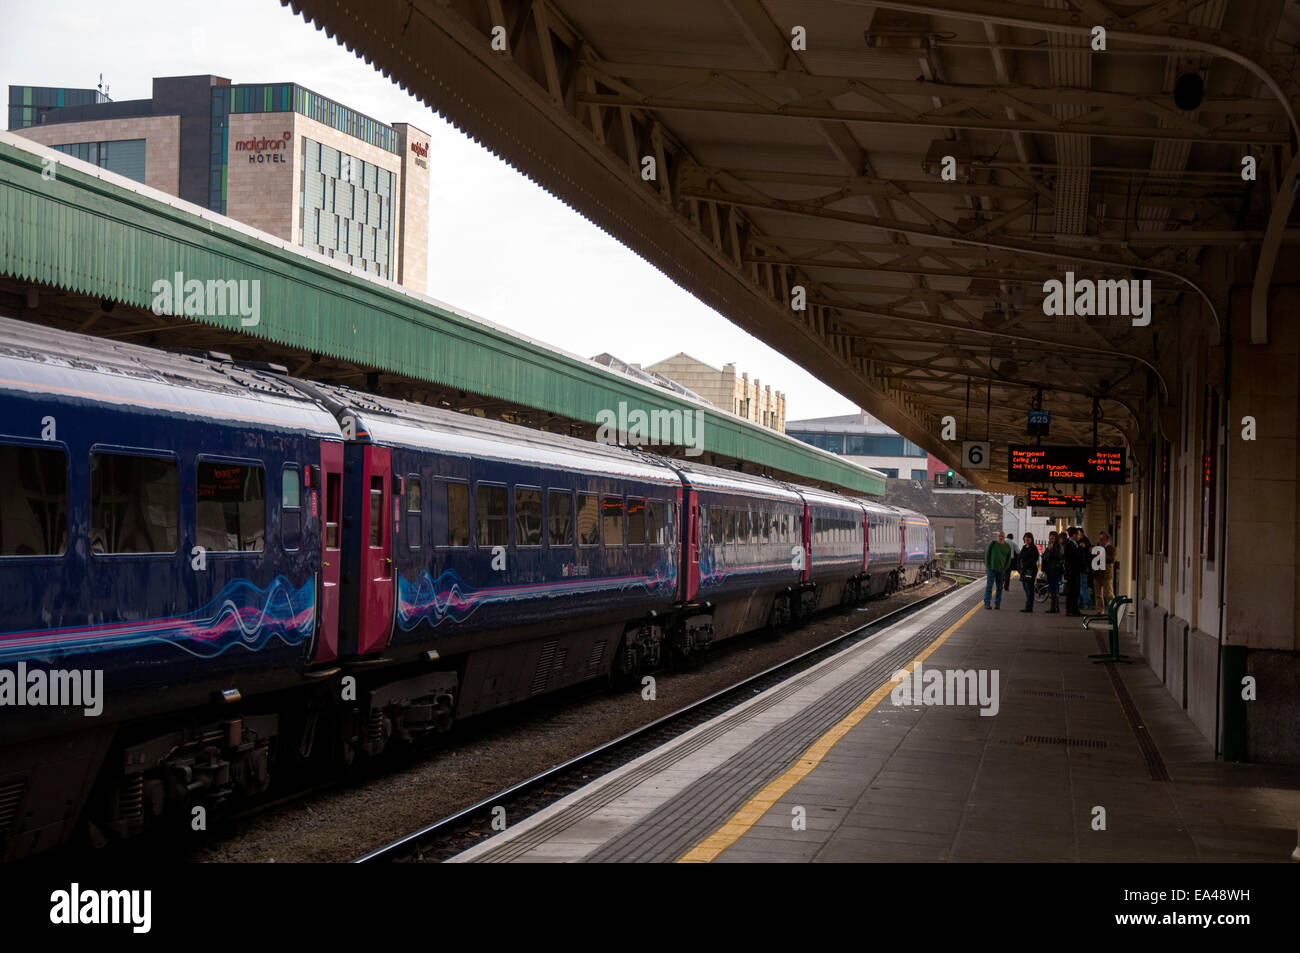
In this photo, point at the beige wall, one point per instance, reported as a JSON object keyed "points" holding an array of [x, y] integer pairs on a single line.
{"points": [[413, 262], [162, 147], [725, 389], [261, 187]]}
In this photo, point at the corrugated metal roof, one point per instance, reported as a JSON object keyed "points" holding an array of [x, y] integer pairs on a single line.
{"points": [[88, 231]]}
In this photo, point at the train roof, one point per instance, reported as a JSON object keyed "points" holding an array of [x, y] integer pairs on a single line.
{"points": [[389, 420], [828, 498], [704, 476], [71, 366]]}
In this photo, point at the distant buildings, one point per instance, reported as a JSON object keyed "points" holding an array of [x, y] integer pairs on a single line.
{"points": [[721, 388], [275, 156], [868, 442]]}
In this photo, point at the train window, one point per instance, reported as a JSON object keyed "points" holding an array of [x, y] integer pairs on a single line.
{"points": [[34, 506], [717, 518], [611, 516], [635, 521], [588, 519], [333, 503], [559, 517], [656, 528], [669, 521], [528, 517], [742, 526], [376, 511], [731, 526], [133, 504], [414, 511], [290, 488], [457, 514], [290, 502], [767, 526], [493, 528]]}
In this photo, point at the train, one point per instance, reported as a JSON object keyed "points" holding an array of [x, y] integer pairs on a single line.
{"points": [[213, 572]]}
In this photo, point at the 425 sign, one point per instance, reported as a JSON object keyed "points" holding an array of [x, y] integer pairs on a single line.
{"points": [[975, 454]]}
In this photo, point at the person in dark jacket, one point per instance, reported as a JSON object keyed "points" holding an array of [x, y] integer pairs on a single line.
{"points": [[1075, 559], [1006, 580], [1085, 570], [1054, 566], [1027, 565]]}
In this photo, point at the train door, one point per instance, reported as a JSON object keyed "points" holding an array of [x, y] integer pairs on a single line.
{"points": [[807, 545], [866, 540], [375, 624], [691, 541], [327, 500]]}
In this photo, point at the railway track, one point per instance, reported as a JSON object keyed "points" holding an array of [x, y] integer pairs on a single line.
{"points": [[450, 835]]}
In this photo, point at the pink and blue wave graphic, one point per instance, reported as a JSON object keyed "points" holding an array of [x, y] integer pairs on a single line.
{"points": [[450, 598], [242, 615]]}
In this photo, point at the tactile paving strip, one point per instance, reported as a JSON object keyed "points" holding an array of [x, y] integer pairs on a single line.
{"points": [[700, 809]]}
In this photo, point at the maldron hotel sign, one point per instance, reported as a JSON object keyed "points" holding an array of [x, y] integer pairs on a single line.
{"points": [[265, 150], [421, 151]]}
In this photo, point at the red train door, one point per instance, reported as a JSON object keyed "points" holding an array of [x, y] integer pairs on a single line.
{"points": [[376, 616], [691, 576], [807, 546], [327, 500], [866, 539]]}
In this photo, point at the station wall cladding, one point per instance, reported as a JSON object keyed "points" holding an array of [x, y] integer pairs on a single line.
{"points": [[1212, 514]]}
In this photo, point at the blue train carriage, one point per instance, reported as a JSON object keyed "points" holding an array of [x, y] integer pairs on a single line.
{"points": [[751, 572], [493, 562], [918, 548], [160, 565], [884, 572], [834, 534]]}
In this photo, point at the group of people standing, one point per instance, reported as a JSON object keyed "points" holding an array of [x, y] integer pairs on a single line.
{"points": [[1065, 557]]}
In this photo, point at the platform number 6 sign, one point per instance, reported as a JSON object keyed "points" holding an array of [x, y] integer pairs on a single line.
{"points": [[976, 453]]}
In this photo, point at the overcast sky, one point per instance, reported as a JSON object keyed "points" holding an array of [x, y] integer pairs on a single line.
{"points": [[500, 247]]}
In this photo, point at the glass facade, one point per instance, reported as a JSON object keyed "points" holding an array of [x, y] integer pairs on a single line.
{"points": [[123, 156], [28, 103], [347, 208], [860, 445], [281, 97]]}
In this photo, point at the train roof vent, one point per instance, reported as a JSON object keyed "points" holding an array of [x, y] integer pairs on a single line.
{"points": [[220, 356]]}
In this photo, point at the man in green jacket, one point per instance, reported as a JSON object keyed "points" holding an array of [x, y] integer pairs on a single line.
{"points": [[997, 560]]}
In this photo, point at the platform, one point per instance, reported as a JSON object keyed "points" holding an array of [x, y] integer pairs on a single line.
{"points": [[1081, 762]]}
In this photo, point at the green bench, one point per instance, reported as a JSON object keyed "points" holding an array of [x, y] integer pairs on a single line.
{"points": [[1114, 617]]}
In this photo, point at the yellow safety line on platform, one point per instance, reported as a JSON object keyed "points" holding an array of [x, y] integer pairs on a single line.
{"points": [[707, 850]]}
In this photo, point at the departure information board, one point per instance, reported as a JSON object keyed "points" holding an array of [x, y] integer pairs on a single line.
{"points": [[1048, 498], [1065, 464]]}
